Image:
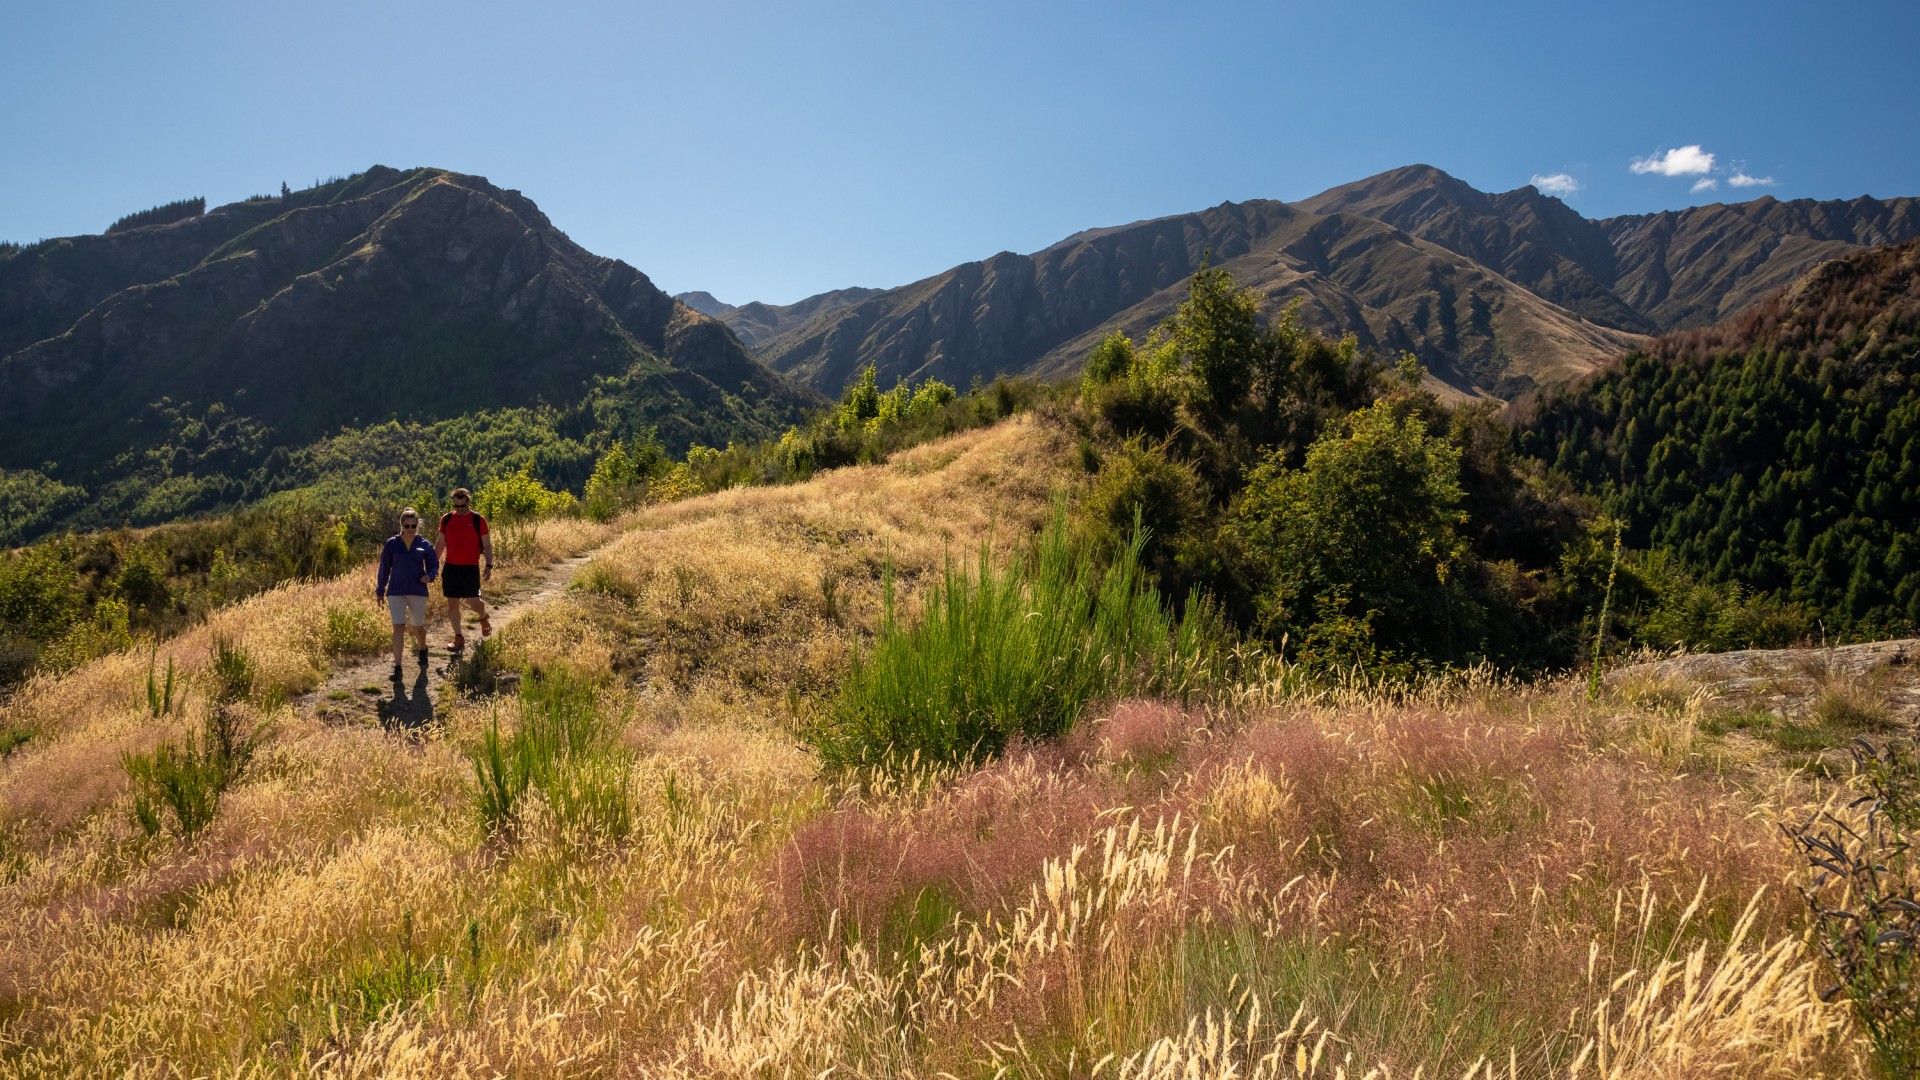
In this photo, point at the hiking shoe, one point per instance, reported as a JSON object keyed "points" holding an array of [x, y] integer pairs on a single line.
{"points": [[396, 669], [422, 654], [456, 644], [486, 627]]}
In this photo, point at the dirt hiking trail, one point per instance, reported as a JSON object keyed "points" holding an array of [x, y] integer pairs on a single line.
{"points": [[366, 692]]}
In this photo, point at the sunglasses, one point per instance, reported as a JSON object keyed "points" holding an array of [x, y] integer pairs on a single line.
{"points": [[408, 523]]}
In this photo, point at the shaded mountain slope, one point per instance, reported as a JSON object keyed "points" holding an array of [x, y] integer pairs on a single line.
{"points": [[1006, 313], [1692, 267], [416, 295]]}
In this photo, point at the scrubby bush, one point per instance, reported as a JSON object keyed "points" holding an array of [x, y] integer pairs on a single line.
{"points": [[231, 676], [1864, 896], [185, 780], [619, 481], [1142, 485], [516, 504], [1003, 654]]}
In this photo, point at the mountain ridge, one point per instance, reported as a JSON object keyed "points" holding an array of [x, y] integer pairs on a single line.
{"points": [[1550, 294], [417, 295], [756, 322]]}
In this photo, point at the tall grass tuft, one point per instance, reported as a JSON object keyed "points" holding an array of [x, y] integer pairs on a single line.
{"points": [[566, 750], [159, 699], [477, 670], [1004, 654], [1606, 609]]}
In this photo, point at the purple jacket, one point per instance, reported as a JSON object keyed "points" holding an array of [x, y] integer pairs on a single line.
{"points": [[403, 566]]}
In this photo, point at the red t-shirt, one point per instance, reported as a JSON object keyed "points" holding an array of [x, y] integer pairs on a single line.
{"points": [[461, 533]]}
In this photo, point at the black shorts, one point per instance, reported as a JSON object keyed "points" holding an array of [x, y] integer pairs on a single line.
{"points": [[459, 582]]}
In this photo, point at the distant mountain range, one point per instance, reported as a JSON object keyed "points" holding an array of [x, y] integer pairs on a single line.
{"points": [[416, 295], [1496, 293], [757, 322]]}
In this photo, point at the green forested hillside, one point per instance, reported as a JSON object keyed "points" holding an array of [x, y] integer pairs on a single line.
{"points": [[1780, 451], [179, 366]]}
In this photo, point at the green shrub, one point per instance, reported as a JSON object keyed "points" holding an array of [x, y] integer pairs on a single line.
{"points": [[618, 482], [1110, 360], [232, 673], [1686, 614], [105, 632], [1139, 485], [1001, 654], [566, 749], [187, 779], [1367, 533], [13, 738], [516, 504], [142, 581]]}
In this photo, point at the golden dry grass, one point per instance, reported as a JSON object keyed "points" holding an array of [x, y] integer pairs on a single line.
{"points": [[1504, 880]]}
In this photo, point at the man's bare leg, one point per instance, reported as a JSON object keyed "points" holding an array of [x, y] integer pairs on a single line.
{"points": [[479, 607]]}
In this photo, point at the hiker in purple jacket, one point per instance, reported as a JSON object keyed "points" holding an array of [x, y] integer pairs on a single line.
{"points": [[407, 565]]}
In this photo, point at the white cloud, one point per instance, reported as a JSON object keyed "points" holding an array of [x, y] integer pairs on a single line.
{"points": [[1560, 184], [1741, 179], [1705, 183], [1679, 161]]}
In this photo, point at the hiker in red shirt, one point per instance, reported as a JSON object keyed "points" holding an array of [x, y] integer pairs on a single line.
{"points": [[462, 545]]}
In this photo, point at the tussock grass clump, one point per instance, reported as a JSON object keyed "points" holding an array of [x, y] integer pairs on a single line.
{"points": [[566, 750], [1003, 654], [1850, 710], [352, 630], [477, 670], [160, 700]]}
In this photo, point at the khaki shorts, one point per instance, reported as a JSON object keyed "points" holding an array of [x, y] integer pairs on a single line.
{"points": [[410, 610]]}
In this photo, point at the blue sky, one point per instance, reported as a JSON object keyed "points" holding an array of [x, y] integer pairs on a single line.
{"points": [[767, 151]]}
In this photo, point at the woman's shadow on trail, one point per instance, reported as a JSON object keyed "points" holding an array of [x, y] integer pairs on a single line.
{"points": [[410, 710]]}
